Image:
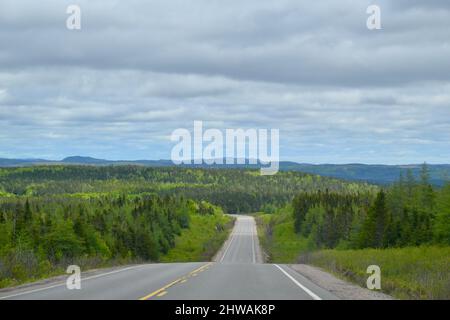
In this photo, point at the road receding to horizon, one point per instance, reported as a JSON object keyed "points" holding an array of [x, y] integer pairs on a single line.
{"points": [[238, 273]]}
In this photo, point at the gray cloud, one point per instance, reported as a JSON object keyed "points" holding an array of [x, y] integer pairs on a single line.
{"points": [[138, 70], [287, 41]]}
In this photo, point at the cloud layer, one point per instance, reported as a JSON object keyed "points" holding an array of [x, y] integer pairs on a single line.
{"points": [[138, 70]]}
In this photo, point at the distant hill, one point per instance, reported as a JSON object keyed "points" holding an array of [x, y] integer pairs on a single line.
{"points": [[378, 174], [84, 160], [19, 162]]}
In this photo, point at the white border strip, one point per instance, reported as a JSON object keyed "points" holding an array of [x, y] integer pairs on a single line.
{"points": [[309, 292]]}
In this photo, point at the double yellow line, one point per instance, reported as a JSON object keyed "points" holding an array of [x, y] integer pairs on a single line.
{"points": [[167, 286]]}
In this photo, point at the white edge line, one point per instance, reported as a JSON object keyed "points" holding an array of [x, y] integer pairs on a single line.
{"points": [[228, 246], [253, 244], [64, 283], [309, 292]]}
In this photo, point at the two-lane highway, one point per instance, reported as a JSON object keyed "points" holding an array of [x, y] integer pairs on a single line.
{"points": [[237, 273], [242, 246], [241, 274]]}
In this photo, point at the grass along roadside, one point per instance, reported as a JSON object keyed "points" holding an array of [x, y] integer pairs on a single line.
{"points": [[278, 239], [406, 273], [202, 240]]}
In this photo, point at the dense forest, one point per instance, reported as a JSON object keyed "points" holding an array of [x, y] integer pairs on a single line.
{"points": [[408, 213], [376, 174], [234, 190]]}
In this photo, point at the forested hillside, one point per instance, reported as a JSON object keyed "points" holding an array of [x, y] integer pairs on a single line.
{"points": [[372, 173], [235, 190]]}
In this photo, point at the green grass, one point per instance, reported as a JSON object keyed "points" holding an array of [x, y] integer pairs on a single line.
{"points": [[5, 194], [406, 273], [8, 282], [277, 236], [49, 271], [202, 240]]}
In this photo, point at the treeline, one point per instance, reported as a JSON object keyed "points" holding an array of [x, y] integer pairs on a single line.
{"points": [[409, 213], [41, 233], [235, 190]]}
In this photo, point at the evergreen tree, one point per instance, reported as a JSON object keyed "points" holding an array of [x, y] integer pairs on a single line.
{"points": [[442, 223], [373, 233]]}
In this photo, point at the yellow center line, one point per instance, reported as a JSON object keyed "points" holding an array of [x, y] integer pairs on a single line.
{"points": [[160, 291], [162, 294], [201, 268]]}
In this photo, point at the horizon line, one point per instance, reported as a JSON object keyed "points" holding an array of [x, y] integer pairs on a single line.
{"points": [[43, 159]]}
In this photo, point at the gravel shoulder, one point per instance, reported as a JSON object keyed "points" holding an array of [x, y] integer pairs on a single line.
{"points": [[340, 288]]}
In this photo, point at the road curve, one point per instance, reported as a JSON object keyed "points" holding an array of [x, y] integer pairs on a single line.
{"points": [[237, 274]]}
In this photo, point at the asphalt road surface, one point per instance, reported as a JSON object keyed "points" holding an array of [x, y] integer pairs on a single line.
{"points": [[237, 274]]}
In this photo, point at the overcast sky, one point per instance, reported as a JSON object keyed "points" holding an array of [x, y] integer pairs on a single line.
{"points": [[137, 70]]}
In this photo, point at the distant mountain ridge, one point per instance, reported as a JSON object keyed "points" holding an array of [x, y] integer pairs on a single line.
{"points": [[81, 160], [379, 174]]}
